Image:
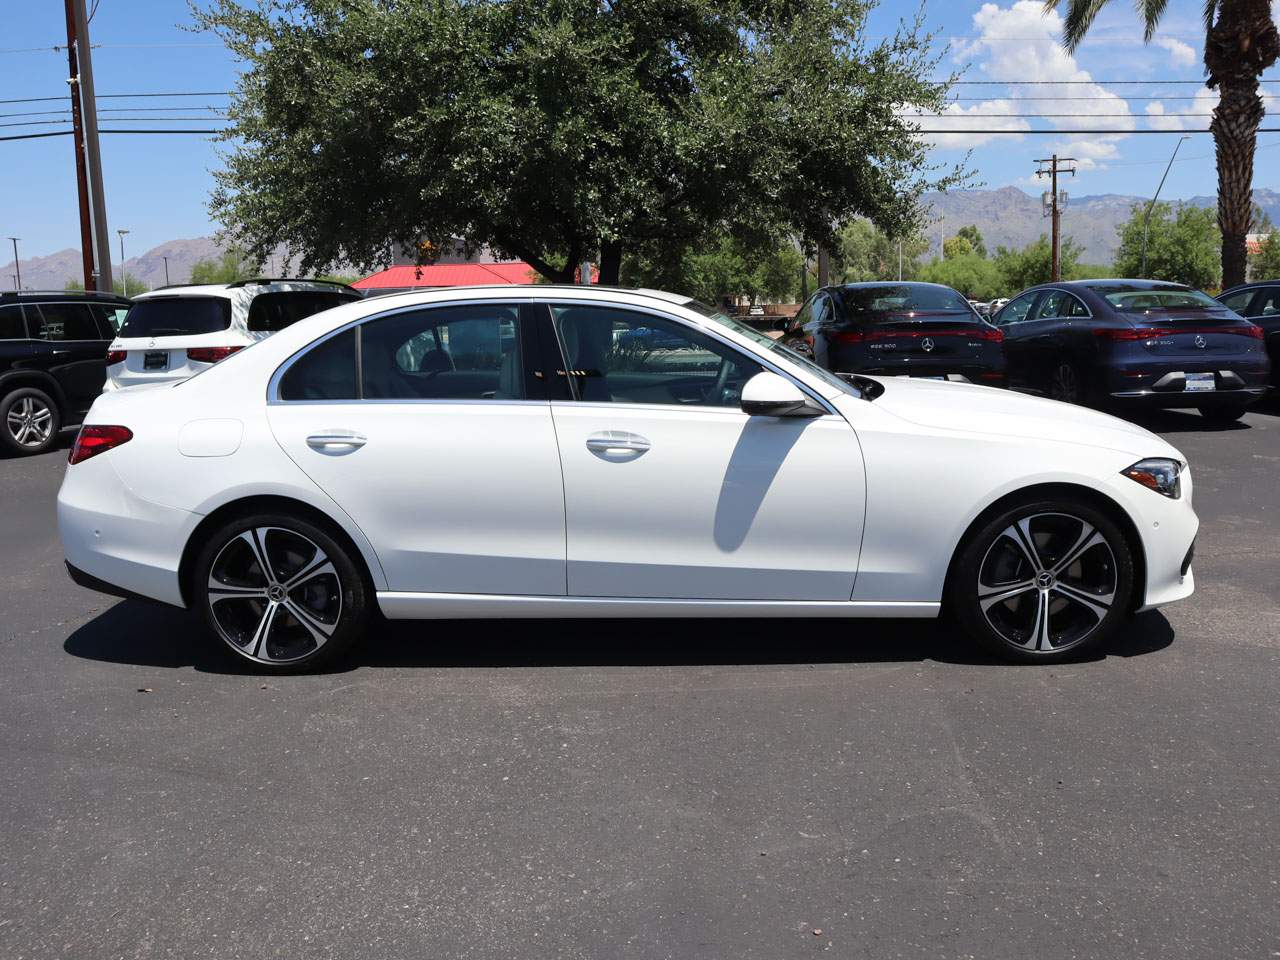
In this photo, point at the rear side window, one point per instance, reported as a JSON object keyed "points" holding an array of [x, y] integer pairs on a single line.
{"points": [[110, 317], [1268, 303], [12, 326], [177, 317], [271, 312], [65, 321], [327, 372]]}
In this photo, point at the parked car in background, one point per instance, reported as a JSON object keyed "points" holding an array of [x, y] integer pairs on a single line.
{"points": [[1128, 343], [327, 473], [898, 329], [1259, 303], [53, 361], [175, 332]]}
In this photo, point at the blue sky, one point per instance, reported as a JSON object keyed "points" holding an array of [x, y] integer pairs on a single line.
{"points": [[157, 186]]}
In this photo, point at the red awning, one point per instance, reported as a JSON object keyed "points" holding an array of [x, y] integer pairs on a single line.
{"points": [[448, 275]]}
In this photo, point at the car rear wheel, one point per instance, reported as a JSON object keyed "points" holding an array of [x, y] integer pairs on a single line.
{"points": [[1044, 581], [280, 592], [1066, 385], [1224, 414], [30, 421]]}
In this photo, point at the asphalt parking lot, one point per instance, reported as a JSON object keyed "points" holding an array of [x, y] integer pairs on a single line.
{"points": [[663, 789]]}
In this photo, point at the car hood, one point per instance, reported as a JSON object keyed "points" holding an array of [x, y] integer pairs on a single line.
{"points": [[973, 409]]}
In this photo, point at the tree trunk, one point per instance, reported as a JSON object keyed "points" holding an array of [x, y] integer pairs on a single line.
{"points": [[610, 262], [1240, 45], [1235, 132]]}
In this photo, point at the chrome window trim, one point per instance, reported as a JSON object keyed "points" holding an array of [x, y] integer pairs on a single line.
{"points": [[273, 385], [700, 328]]}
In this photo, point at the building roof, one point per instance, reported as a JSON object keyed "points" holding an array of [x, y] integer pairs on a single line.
{"points": [[448, 275]]}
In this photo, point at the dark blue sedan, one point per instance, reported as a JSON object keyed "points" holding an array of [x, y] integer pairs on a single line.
{"points": [[1130, 343]]}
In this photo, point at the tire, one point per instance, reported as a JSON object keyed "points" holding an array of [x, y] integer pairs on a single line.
{"points": [[1067, 385], [1078, 561], [1228, 414], [311, 608], [29, 421]]}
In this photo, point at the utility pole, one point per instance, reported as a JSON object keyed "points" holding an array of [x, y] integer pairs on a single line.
{"points": [[899, 260], [1054, 202], [166, 270], [1147, 219], [77, 139], [93, 155], [17, 276], [124, 274]]}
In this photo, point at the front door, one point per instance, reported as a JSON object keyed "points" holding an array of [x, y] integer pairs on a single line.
{"points": [[438, 444], [672, 491]]}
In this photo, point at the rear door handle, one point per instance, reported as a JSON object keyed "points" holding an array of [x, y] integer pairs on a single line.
{"points": [[336, 439], [616, 441]]}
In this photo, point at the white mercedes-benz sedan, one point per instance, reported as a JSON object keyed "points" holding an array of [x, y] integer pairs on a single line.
{"points": [[546, 451]]}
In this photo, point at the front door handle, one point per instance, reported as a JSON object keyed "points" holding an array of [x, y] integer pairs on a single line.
{"points": [[336, 440], [617, 442]]}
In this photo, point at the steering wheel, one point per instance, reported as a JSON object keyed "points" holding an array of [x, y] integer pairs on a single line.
{"points": [[721, 386]]}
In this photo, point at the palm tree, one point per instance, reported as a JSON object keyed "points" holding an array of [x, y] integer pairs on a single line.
{"points": [[1241, 42]]}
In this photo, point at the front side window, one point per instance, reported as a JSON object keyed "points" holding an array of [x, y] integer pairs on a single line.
{"points": [[1268, 303], [1239, 301], [624, 356], [65, 321], [1016, 310], [466, 352], [272, 312], [12, 326]]}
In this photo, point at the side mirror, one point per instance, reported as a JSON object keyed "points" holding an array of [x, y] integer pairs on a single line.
{"points": [[769, 395], [782, 324]]}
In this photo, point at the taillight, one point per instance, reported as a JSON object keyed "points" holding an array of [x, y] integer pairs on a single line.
{"points": [[994, 334], [115, 356], [848, 336], [210, 354], [1152, 333], [95, 439]]}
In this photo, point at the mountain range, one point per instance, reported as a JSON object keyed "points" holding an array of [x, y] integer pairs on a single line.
{"points": [[1007, 217]]}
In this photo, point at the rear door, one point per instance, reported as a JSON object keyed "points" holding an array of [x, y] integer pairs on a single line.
{"points": [[438, 442], [1046, 336], [74, 350]]}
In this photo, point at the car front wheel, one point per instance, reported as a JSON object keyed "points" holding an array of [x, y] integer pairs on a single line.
{"points": [[29, 421], [280, 592], [1043, 581]]}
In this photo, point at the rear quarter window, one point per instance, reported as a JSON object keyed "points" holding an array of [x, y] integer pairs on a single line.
{"points": [[272, 312], [177, 317]]}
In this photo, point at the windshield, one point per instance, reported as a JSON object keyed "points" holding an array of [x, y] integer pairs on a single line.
{"points": [[903, 298], [177, 317], [1160, 298], [773, 346]]}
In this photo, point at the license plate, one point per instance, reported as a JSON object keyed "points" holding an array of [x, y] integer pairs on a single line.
{"points": [[155, 360], [1199, 382]]}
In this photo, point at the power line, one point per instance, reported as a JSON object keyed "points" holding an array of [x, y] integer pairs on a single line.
{"points": [[1076, 83], [1045, 116], [1096, 96]]}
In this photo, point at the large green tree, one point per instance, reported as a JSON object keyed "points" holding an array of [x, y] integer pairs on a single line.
{"points": [[865, 252], [558, 130], [1183, 244], [1034, 263], [1241, 41], [229, 266], [974, 276], [711, 272]]}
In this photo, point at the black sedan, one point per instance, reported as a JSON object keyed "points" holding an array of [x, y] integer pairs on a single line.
{"points": [[1259, 303], [1123, 343], [898, 329]]}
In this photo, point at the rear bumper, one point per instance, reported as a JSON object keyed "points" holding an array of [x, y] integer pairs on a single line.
{"points": [[1163, 384]]}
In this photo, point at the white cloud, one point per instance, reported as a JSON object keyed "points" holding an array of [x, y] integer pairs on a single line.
{"points": [[1019, 43], [1186, 114], [1180, 54]]}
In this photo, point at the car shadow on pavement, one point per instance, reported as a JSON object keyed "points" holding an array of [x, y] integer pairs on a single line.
{"points": [[150, 635], [1183, 421]]}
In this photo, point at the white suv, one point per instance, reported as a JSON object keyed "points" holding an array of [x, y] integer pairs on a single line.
{"points": [[175, 332]]}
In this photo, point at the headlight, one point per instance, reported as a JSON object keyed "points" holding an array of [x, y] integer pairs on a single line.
{"points": [[1158, 474]]}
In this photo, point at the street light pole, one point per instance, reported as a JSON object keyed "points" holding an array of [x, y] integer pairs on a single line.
{"points": [[124, 274], [17, 278], [1147, 219], [166, 270]]}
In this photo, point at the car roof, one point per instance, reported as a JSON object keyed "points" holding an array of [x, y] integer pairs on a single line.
{"points": [[872, 284], [1136, 283], [72, 296], [259, 285]]}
